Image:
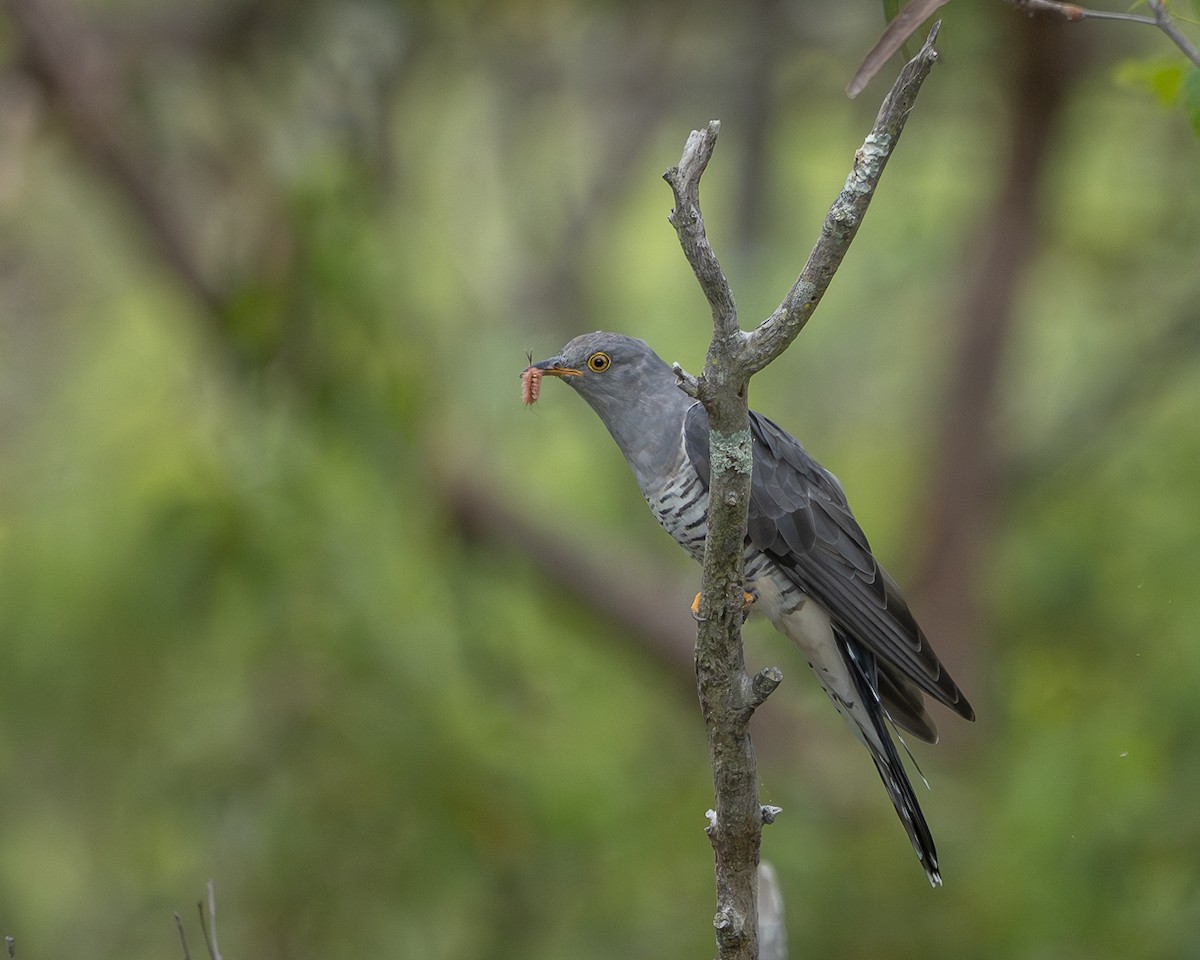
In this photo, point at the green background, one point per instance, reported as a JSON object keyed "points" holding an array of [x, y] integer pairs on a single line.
{"points": [[247, 633]]}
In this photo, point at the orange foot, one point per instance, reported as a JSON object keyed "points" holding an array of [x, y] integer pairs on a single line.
{"points": [[747, 602]]}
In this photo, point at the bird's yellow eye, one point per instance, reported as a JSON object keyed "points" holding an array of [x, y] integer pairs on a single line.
{"points": [[599, 362]]}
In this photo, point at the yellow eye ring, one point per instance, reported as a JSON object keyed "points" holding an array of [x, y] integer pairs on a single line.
{"points": [[599, 362]]}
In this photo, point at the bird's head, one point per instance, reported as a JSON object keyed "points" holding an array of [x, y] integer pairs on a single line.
{"points": [[610, 371], [629, 386]]}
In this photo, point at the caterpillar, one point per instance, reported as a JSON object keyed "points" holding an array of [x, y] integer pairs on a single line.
{"points": [[531, 382]]}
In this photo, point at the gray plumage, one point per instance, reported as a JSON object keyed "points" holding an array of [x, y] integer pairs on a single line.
{"points": [[808, 563]]}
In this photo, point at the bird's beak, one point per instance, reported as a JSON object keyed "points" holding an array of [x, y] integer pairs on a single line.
{"points": [[531, 377], [554, 368]]}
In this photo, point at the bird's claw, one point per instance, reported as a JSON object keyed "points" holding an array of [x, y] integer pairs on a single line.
{"points": [[747, 602]]}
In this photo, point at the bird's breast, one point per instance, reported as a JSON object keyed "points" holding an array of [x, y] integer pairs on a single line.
{"points": [[681, 506]]}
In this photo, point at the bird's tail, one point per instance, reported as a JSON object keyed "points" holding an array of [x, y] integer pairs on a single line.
{"points": [[878, 741]]}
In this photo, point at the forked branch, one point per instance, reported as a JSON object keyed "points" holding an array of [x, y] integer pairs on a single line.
{"points": [[728, 697]]}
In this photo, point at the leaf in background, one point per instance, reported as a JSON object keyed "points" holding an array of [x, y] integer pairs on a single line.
{"points": [[1161, 77], [899, 29], [1171, 82], [1189, 98]]}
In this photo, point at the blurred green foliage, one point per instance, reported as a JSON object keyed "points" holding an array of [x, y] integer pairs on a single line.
{"points": [[243, 637], [1173, 82]]}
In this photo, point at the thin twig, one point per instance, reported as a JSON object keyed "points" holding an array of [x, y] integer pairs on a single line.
{"points": [[208, 923], [1166, 23], [1073, 12], [187, 955]]}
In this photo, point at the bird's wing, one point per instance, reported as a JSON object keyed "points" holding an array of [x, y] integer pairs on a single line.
{"points": [[799, 516]]}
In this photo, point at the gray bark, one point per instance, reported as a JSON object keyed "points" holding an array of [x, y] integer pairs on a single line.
{"points": [[728, 697]]}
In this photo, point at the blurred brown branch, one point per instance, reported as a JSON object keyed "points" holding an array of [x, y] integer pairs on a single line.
{"points": [[1080, 436], [955, 522], [618, 586], [76, 68]]}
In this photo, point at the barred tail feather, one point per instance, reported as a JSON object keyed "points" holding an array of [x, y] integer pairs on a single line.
{"points": [[887, 761]]}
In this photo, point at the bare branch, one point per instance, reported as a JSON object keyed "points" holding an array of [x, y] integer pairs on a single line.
{"points": [[726, 694], [845, 216], [684, 179], [1073, 12], [728, 697]]}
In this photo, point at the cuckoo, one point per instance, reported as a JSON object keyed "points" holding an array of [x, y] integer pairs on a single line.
{"points": [[808, 566]]}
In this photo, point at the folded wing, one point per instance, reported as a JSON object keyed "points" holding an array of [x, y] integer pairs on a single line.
{"points": [[799, 516]]}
